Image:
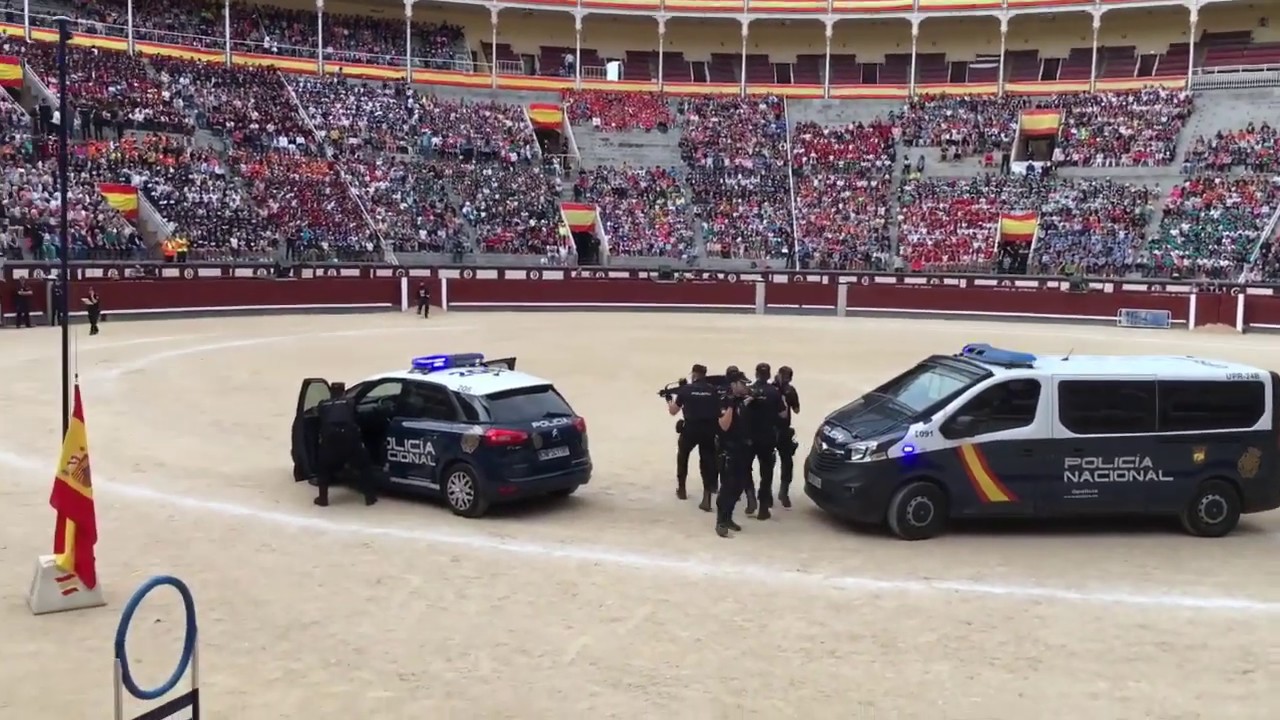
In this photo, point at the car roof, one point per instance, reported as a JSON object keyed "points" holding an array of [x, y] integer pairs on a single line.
{"points": [[475, 380], [1164, 367]]}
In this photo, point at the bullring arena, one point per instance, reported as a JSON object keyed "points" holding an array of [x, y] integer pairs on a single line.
{"points": [[619, 602], [843, 186]]}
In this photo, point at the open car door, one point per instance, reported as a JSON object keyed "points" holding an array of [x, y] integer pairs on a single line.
{"points": [[306, 427], [503, 363]]}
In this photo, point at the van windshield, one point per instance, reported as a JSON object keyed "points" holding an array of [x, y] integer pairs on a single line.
{"points": [[928, 384], [525, 405]]}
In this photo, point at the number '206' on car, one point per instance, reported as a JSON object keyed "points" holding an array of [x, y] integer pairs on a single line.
{"points": [[994, 433], [459, 428]]}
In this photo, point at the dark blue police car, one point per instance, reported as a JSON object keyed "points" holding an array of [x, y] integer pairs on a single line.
{"points": [[457, 427]]}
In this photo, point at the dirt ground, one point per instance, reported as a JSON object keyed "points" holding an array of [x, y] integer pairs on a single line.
{"points": [[619, 602]]}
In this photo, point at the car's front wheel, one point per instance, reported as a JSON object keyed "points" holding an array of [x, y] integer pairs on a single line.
{"points": [[1213, 511], [462, 492], [918, 511]]}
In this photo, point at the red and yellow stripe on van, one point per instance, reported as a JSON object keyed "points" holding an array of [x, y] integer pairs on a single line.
{"points": [[985, 482]]}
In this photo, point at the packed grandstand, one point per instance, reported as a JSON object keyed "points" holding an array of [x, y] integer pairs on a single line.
{"points": [[728, 159]]}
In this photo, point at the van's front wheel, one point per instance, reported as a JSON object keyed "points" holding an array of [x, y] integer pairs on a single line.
{"points": [[1213, 511], [918, 511]]}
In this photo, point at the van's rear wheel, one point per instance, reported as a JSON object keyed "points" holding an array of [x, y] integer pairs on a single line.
{"points": [[1213, 511], [918, 511]]}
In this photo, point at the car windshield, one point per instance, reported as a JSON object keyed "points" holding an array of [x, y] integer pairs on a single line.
{"points": [[926, 385], [526, 405]]}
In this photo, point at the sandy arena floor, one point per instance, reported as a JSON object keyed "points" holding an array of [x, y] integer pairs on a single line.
{"points": [[618, 603]]}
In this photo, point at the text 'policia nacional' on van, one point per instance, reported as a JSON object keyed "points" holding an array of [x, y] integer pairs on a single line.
{"points": [[995, 433]]}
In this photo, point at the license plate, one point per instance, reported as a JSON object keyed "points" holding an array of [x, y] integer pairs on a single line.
{"points": [[814, 480], [553, 453]]}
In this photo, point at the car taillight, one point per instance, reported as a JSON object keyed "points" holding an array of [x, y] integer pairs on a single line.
{"points": [[581, 424], [501, 437]]}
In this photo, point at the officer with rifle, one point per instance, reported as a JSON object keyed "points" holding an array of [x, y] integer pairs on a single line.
{"points": [[699, 401]]}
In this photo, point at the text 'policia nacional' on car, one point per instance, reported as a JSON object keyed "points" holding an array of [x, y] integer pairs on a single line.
{"points": [[459, 428], [994, 433]]}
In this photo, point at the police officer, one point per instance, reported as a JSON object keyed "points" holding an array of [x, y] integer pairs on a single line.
{"points": [[22, 304], [699, 402], [735, 452], [764, 412], [424, 300], [786, 434], [55, 300], [341, 445], [93, 306]]}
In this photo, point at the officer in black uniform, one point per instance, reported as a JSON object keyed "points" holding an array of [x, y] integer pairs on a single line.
{"points": [[763, 415], [699, 402], [22, 304], [93, 306], [341, 446], [424, 300], [55, 299], [787, 444], [735, 453]]}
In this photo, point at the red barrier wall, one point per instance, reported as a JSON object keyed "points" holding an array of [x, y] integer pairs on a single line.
{"points": [[124, 296]]}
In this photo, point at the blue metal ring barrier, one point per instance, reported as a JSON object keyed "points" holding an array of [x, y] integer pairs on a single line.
{"points": [[188, 641]]}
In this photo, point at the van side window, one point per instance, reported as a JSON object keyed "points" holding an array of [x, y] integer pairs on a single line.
{"points": [[1004, 406], [1190, 405], [1107, 407]]}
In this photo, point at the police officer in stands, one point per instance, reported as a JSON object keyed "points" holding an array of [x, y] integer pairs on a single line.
{"points": [[424, 300], [700, 404], [787, 444], [341, 446], [764, 413], [735, 453]]}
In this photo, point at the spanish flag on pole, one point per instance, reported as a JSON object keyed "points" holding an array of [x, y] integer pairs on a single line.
{"points": [[546, 116], [72, 498], [122, 197]]}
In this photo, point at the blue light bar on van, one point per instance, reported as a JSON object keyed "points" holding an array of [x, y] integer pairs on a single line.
{"points": [[982, 352], [432, 363]]}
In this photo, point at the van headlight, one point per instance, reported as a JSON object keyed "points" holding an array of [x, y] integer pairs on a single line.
{"points": [[865, 452]]}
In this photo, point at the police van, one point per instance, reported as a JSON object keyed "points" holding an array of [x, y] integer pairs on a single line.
{"points": [[995, 433], [457, 427]]}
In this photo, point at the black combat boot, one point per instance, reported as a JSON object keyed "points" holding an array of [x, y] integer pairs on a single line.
{"points": [[722, 531], [680, 492], [705, 505]]}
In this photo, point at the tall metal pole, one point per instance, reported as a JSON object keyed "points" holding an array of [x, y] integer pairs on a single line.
{"points": [[64, 239]]}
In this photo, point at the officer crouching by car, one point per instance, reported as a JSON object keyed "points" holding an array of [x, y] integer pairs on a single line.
{"points": [[787, 444], [765, 411], [341, 446], [699, 402], [735, 453]]}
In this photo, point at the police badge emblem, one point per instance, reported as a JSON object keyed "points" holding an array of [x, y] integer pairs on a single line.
{"points": [[470, 442], [1249, 463], [1197, 454], [537, 442]]}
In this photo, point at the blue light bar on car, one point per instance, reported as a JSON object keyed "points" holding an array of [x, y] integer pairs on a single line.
{"points": [[982, 352], [432, 363]]}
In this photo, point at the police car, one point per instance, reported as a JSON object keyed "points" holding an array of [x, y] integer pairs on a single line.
{"points": [[995, 433], [457, 427]]}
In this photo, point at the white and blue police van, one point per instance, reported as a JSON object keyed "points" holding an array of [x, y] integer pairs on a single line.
{"points": [[459, 428], [990, 433]]}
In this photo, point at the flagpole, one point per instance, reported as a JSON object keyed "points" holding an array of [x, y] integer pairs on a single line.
{"points": [[64, 240]]}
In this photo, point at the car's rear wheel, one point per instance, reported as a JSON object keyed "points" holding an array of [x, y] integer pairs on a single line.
{"points": [[462, 491], [1213, 511], [918, 511]]}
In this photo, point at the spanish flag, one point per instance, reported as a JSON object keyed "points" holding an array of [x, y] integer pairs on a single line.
{"points": [[579, 217], [1040, 123], [124, 198], [1018, 227], [546, 116], [10, 71], [72, 498]]}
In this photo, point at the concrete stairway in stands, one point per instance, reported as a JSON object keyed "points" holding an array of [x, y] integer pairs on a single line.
{"points": [[839, 112], [633, 147]]}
